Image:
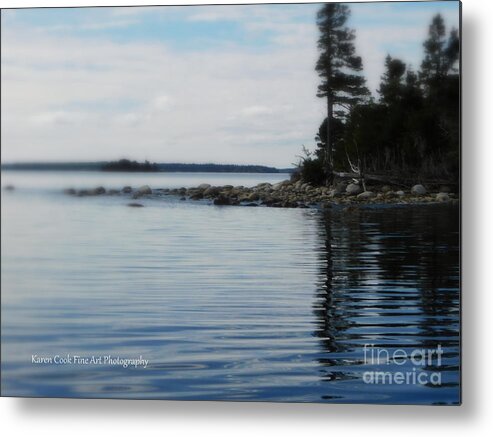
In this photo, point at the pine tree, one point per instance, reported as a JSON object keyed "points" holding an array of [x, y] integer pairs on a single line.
{"points": [[338, 67], [392, 88], [436, 62]]}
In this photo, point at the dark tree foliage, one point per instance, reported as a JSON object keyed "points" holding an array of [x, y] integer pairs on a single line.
{"points": [[338, 66], [125, 165], [392, 87], [412, 130]]}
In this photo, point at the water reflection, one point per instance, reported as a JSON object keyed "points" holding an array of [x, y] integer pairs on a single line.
{"points": [[224, 302], [389, 278]]}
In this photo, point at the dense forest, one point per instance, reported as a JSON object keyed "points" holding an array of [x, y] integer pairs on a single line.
{"points": [[411, 131]]}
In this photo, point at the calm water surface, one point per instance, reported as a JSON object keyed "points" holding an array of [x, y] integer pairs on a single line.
{"points": [[229, 303]]}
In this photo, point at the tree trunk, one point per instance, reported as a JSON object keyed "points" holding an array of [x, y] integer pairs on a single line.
{"points": [[329, 158]]}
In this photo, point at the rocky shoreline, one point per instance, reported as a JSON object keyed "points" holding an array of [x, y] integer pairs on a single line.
{"points": [[286, 194]]}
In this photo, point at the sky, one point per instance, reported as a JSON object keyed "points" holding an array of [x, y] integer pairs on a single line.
{"points": [[223, 84]]}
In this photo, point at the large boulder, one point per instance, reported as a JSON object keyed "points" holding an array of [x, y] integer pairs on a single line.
{"points": [[204, 186], [419, 190], [353, 189]]}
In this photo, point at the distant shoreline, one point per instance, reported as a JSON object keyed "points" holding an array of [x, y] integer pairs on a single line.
{"points": [[110, 166]]}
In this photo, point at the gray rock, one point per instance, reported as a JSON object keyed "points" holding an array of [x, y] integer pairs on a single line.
{"points": [[135, 205], [353, 189], [222, 200], [400, 193], [145, 189], [442, 197], [197, 196], [366, 195], [418, 189], [253, 197], [9, 188], [386, 189], [340, 188], [204, 186], [142, 191], [211, 191], [126, 189], [70, 191], [97, 191]]}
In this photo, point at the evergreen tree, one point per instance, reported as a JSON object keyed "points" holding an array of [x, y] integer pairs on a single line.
{"points": [[392, 86], [338, 66], [441, 55]]}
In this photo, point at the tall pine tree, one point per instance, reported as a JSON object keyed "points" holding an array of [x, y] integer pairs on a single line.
{"points": [[338, 66]]}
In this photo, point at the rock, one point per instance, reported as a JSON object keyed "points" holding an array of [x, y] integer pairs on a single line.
{"points": [[94, 192], [9, 188], [70, 191], [145, 189], [197, 196], [126, 189], [442, 197], [400, 193], [222, 200], [253, 197], [251, 204], [135, 205], [386, 189], [97, 191], [340, 188], [211, 192], [183, 198], [204, 186], [365, 195], [142, 191], [353, 189], [277, 186], [418, 189]]}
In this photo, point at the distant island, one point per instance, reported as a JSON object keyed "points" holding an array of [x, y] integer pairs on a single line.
{"points": [[125, 165]]}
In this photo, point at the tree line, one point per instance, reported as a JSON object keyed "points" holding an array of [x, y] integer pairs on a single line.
{"points": [[411, 130]]}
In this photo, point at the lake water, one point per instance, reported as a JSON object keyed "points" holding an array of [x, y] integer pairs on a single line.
{"points": [[225, 303]]}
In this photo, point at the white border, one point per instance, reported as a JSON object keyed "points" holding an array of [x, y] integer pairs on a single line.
{"points": [[30, 417]]}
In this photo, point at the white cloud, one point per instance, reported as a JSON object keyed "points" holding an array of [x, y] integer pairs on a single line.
{"points": [[86, 98], [181, 102]]}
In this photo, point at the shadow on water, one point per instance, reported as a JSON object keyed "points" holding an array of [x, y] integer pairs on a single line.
{"points": [[389, 280]]}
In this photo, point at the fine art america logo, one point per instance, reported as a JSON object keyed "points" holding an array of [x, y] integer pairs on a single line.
{"points": [[414, 363], [92, 360]]}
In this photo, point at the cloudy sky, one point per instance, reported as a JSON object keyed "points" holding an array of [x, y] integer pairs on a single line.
{"points": [[224, 84]]}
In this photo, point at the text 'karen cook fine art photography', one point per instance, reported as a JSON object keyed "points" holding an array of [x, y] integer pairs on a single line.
{"points": [[256, 202]]}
